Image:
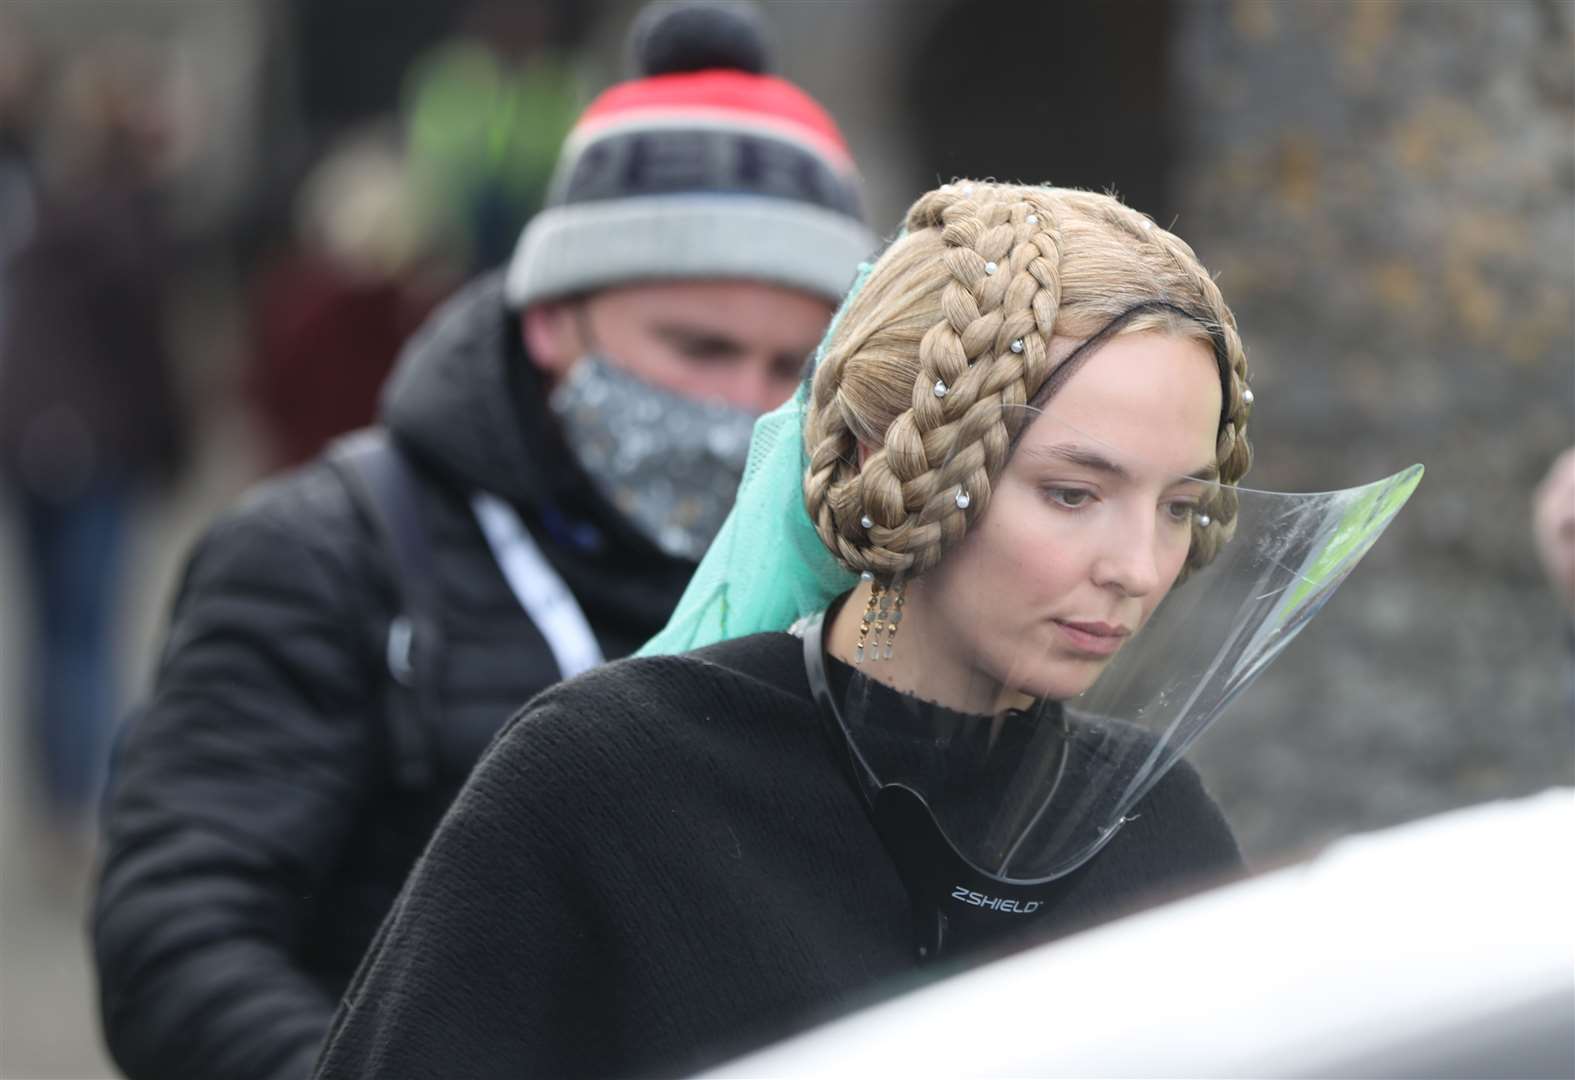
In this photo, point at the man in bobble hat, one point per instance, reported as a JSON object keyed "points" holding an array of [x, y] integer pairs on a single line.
{"points": [[558, 445]]}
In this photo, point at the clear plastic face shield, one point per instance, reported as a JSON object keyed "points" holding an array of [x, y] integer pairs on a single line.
{"points": [[1006, 710]]}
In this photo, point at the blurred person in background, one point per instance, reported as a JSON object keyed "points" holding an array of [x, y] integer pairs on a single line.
{"points": [[1553, 527], [18, 89], [558, 445], [87, 412], [369, 263], [485, 112], [1553, 530]]}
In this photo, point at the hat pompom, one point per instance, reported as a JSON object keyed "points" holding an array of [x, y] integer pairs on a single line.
{"points": [[669, 38]]}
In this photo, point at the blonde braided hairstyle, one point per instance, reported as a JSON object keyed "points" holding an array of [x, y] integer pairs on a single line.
{"points": [[932, 362]]}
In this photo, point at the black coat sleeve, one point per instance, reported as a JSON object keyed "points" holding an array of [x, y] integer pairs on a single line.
{"points": [[229, 802], [489, 957]]}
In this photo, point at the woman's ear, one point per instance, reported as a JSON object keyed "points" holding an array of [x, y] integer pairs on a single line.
{"points": [[864, 453], [552, 337]]}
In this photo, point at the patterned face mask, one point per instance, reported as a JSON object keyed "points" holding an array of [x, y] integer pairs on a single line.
{"points": [[669, 463]]}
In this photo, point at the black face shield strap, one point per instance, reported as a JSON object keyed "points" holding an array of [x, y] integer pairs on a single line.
{"points": [[955, 904]]}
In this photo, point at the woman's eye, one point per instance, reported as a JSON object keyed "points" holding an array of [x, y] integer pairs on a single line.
{"points": [[1071, 498], [1181, 511]]}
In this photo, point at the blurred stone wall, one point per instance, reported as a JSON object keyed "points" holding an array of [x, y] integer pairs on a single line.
{"points": [[1386, 191]]}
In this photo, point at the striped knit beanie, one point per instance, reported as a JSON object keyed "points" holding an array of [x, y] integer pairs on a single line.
{"points": [[704, 167]]}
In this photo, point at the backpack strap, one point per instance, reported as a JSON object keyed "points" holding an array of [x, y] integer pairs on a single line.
{"points": [[382, 483]]}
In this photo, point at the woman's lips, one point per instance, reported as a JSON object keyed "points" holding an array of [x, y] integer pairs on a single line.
{"points": [[1092, 638]]}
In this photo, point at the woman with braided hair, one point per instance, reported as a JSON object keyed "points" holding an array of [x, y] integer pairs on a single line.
{"points": [[928, 691]]}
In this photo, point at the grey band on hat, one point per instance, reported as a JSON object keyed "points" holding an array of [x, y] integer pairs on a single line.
{"points": [[586, 246]]}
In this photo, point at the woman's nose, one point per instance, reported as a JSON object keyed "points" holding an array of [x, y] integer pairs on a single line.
{"points": [[1129, 561]]}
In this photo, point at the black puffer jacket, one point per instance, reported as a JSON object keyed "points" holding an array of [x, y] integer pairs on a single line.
{"points": [[254, 836]]}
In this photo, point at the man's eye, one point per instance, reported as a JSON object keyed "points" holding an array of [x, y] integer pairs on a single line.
{"points": [[703, 353]]}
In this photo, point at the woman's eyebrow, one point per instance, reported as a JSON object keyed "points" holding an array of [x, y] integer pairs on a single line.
{"points": [[1072, 454], [1207, 473]]}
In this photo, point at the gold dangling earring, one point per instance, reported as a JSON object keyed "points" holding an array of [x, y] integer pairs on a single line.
{"points": [[892, 600], [877, 591]]}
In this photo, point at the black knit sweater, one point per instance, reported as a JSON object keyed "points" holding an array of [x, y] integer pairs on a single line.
{"points": [[662, 863]]}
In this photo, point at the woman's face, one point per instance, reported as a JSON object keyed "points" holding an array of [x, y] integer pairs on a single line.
{"points": [[1087, 528]]}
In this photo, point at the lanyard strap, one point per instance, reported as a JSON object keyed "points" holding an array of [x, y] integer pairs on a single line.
{"points": [[541, 592]]}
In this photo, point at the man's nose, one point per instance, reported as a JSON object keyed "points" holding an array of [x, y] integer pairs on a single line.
{"points": [[758, 389]]}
